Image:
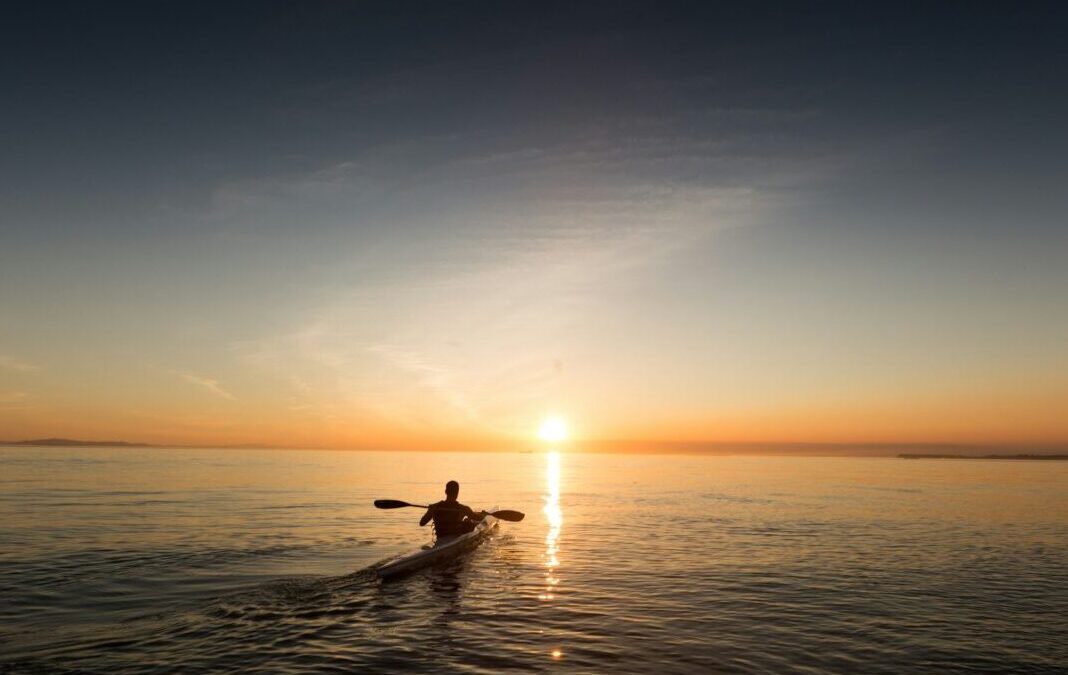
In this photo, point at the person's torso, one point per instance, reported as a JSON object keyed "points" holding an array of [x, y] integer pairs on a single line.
{"points": [[449, 517]]}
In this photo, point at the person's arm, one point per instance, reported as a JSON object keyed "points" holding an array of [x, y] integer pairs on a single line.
{"points": [[427, 516], [471, 514]]}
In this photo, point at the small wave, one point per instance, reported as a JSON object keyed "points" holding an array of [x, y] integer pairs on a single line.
{"points": [[720, 496]]}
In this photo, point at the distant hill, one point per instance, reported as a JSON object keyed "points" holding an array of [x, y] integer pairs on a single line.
{"points": [[70, 442]]}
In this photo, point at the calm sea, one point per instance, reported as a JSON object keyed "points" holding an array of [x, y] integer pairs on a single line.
{"points": [[132, 560]]}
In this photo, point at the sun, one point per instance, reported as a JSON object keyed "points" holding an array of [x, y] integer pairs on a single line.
{"points": [[553, 429]]}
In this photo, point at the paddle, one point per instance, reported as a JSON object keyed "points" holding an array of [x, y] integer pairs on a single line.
{"points": [[511, 516]]}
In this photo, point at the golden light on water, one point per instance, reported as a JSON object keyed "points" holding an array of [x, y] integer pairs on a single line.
{"points": [[555, 519], [553, 429]]}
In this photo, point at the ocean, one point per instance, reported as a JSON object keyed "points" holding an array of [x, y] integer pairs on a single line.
{"points": [[133, 560]]}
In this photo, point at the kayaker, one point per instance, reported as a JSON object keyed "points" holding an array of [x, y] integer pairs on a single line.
{"points": [[450, 516]]}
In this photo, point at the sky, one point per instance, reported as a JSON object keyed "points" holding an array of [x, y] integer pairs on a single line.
{"points": [[434, 225]]}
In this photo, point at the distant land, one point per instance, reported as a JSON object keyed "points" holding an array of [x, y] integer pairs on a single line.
{"points": [[77, 443], [921, 456], [70, 442]]}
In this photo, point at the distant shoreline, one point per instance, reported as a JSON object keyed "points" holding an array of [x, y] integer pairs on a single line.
{"points": [[924, 456], [73, 443]]}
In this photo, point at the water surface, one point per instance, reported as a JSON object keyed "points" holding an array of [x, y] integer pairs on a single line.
{"points": [[177, 560]]}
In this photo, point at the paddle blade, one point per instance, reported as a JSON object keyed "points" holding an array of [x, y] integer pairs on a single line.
{"points": [[390, 504], [511, 516]]}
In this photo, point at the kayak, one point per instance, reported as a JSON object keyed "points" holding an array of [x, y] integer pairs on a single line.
{"points": [[444, 548]]}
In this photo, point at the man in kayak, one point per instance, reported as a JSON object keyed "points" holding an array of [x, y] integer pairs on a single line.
{"points": [[450, 516]]}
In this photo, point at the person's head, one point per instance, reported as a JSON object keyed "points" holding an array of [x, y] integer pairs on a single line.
{"points": [[452, 489]]}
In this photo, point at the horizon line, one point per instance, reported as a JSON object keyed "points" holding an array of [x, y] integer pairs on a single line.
{"points": [[604, 446]]}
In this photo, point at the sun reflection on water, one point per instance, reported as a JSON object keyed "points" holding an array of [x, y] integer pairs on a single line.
{"points": [[555, 519]]}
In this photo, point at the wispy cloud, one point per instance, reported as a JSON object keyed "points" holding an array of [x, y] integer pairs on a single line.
{"points": [[10, 363], [434, 377], [207, 383], [463, 268], [13, 399], [466, 325]]}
